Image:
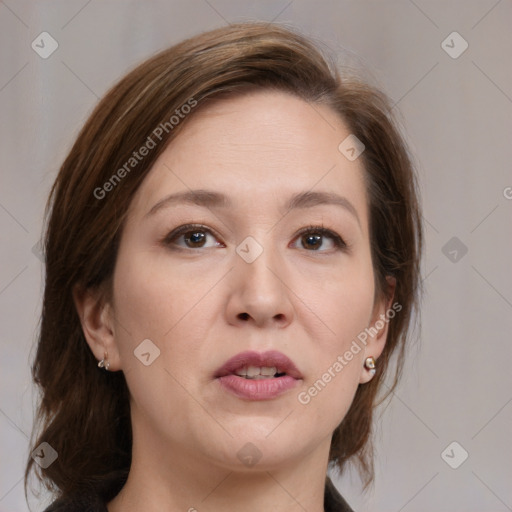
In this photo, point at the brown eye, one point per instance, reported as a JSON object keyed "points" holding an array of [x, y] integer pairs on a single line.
{"points": [[316, 238], [312, 241], [195, 238]]}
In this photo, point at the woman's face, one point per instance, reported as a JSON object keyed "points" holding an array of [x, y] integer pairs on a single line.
{"points": [[255, 272]]}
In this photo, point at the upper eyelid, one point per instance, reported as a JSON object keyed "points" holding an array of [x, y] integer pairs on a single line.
{"points": [[320, 229], [186, 228]]}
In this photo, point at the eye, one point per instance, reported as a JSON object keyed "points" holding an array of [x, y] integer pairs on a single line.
{"points": [[313, 238], [192, 236]]}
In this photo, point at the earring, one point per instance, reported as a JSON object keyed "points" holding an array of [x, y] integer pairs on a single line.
{"points": [[369, 364], [104, 362]]}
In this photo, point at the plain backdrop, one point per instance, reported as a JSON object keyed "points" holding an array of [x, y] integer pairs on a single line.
{"points": [[455, 105]]}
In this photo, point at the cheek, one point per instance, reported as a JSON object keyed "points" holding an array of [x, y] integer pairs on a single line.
{"points": [[158, 301], [345, 306], [328, 392], [345, 303]]}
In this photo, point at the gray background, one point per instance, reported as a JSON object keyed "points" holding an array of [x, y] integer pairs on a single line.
{"points": [[457, 116]]}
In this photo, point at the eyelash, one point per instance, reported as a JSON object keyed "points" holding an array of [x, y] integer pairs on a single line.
{"points": [[183, 230], [339, 243]]}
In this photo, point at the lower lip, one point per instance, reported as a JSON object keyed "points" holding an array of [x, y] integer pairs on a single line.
{"points": [[261, 389]]}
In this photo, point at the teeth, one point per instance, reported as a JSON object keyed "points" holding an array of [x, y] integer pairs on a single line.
{"points": [[266, 370], [252, 371], [257, 372]]}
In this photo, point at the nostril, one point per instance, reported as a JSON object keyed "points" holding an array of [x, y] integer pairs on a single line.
{"points": [[243, 316]]}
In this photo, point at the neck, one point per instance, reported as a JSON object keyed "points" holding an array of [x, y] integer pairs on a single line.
{"points": [[187, 482]]}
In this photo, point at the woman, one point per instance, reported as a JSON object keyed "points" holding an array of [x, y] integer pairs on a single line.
{"points": [[234, 241]]}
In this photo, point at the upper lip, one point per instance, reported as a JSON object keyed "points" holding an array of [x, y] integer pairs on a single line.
{"points": [[251, 358]]}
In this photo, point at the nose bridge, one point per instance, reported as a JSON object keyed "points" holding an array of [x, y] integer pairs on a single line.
{"points": [[257, 264], [259, 289]]}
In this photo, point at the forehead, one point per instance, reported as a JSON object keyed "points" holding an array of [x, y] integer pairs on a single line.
{"points": [[260, 146]]}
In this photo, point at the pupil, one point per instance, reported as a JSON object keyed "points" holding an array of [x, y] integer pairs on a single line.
{"points": [[313, 240], [197, 237]]}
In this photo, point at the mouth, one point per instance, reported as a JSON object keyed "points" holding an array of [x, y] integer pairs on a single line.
{"points": [[252, 365], [253, 376]]}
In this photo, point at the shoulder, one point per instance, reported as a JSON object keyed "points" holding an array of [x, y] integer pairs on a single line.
{"points": [[333, 501], [79, 503]]}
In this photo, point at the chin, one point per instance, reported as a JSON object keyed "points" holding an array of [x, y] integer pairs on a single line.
{"points": [[261, 448]]}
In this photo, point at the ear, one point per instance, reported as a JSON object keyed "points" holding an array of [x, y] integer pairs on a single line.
{"points": [[378, 329], [97, 319]]}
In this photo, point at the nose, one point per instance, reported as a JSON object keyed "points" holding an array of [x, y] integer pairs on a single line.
{"points": [[259, 293]]}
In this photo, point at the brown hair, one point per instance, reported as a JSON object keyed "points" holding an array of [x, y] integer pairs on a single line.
{"points": [[84, 412]]}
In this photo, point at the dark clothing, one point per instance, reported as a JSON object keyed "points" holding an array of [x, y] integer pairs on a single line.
{"points": [[333, 502]]}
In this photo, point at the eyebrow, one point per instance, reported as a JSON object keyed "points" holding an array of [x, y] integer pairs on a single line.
{"points": [[310, 199], [211, 199], [206, 198]]}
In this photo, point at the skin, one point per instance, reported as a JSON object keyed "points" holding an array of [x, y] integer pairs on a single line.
{"points": [[202, 305]]}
